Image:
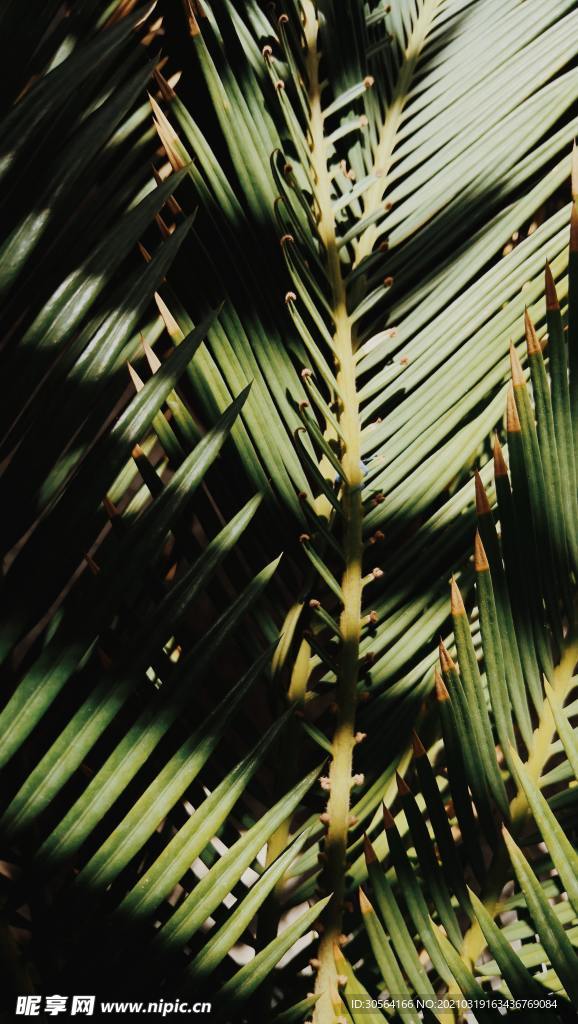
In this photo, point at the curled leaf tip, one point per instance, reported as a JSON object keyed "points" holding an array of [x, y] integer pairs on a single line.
{"points": [[513, 425], [457, 604], [480, 561], [551, 294], [482, 503]]}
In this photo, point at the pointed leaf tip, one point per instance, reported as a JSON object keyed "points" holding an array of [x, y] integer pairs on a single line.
{"points": [[364, 904], [446, 661], [152, 358], [417, 745], [456, 600], [402, 786], [500, 465], [370, 854], [482, 504], [516, 368], [513, 425], [480, 560], [574, 228], [167, 92], [388, 821], [551, 294], [441, 688], [193, 10], [138, 383], [532, 342]]}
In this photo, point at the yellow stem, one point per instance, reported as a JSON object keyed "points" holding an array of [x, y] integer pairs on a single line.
{"points": [[350, 621]]}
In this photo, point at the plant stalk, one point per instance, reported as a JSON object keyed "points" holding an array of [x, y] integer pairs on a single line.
{"points": [[340, 772]]}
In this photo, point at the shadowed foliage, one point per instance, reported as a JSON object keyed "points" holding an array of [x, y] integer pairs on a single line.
{"points": [[263, 277]]}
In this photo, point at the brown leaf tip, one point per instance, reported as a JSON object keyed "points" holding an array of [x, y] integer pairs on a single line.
{"points": [[441, 688], [417, 745], [457, 604], [482, 503], [500, 466], [480, 561], [532, 342], [551, 293], [166, 90], [513, 425], [574, 172], [194, 10], [388, 820], [370, 854], [364, 904], [402, 786], [574, 228], [446, 661], [516, 368]]}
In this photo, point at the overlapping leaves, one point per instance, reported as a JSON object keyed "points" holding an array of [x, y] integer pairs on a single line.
{"points": [[482, 846]]}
